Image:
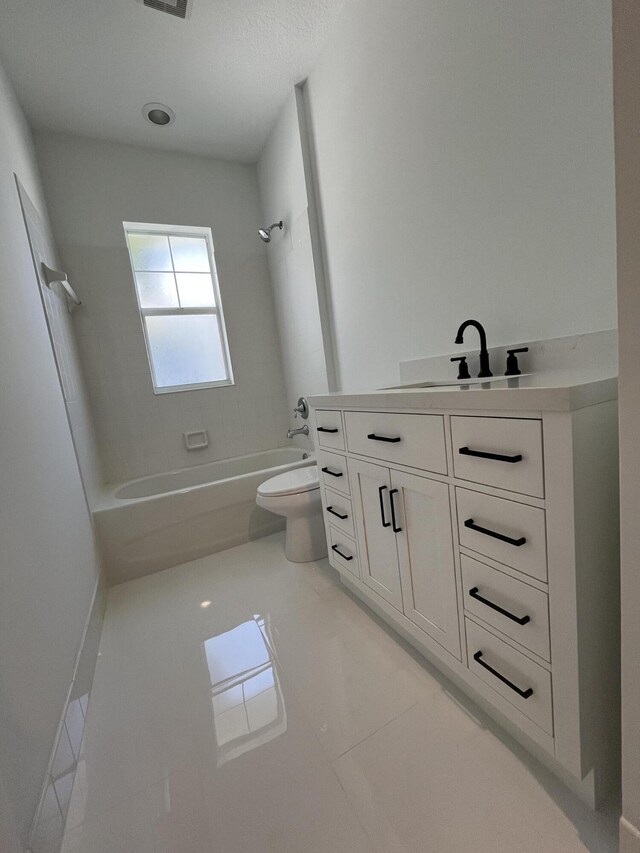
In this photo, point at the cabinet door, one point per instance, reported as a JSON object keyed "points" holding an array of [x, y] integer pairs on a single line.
{"points": [[370, 487], [425, 552]]}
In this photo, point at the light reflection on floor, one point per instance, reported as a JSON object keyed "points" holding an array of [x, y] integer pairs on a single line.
{"points": [[248, 705], [283, 718]]}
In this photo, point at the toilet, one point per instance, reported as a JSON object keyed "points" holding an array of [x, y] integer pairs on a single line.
{"points": [[296, 495]]}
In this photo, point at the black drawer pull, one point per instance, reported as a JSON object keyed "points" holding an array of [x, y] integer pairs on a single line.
{"points": [[337, 514], [396, 529], [338, 551], [332, 473], [517, 542], [373, 437], [521, 620], [466, 451], [524, 693], [325, 429], [385, 523]]}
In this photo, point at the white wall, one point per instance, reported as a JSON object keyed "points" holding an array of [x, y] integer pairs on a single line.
{"points": [[283, 192], [48, 563], [626, 53], [293, 277], [65, 348], [465, 167], [92, 187]]}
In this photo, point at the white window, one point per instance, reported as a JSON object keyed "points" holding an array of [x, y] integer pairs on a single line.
{"points": [[177, 287]]}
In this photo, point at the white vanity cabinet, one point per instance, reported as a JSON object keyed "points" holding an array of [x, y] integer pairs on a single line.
{"points": [[403, 523], [379, 564], [488, 539], [425, 554]]}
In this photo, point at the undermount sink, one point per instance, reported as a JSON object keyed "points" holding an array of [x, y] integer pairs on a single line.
{"points": [[457, 383]]}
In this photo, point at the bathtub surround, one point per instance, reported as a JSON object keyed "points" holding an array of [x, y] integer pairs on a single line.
{"points": [[48, 561], [464, 155], [160, 521], [293, 260], [92, 188]]}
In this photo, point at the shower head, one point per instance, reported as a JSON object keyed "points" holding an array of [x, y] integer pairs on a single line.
{"points": [[265, 233]]}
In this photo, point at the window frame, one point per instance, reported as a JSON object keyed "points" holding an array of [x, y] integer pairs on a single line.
{"points": [[178, 311]]}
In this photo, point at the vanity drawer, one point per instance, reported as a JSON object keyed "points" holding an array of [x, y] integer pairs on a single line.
{"points": [[501, 452], [511, 674], [414, 440], [510, 532], [343, 552], [329, 429], [509, 605], [338, 512], [332, 471]]}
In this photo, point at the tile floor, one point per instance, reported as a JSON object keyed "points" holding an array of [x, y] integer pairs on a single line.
{"points": [[244, 704]]}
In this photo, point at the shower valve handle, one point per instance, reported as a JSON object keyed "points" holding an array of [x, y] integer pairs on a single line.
{"points": [[301, 409]]}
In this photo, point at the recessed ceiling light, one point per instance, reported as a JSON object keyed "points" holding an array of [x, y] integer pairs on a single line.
{"points": [[159, 114]]}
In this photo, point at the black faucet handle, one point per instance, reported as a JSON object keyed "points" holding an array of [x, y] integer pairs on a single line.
{"points": [[513, 368], [463, 369]]}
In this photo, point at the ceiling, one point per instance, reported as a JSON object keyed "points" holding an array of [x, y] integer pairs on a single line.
{"points": [[89, 66]]}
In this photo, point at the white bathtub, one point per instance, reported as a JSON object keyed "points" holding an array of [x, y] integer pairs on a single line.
{"points": [[156, 522]]}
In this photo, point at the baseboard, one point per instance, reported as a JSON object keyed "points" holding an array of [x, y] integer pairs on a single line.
{"points": [[629, 837], [48, 824]]}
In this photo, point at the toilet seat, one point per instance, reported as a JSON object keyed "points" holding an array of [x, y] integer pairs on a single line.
{"points": [[296, 496], [291, 482]]}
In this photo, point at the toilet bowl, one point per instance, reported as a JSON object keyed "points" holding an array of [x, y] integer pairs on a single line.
{"points": [[296, 495]]}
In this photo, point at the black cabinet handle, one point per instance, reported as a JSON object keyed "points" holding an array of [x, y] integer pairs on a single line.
{"points": [[521, 620], [395, 528], [325, 429], [466, 451], [338, 551], [524, 693], [517, 542], [337, 514], [385, 523], [373, 437], [332, 473]]}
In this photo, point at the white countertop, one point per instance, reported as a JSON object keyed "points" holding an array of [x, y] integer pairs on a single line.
{"points": [[552, 390]]}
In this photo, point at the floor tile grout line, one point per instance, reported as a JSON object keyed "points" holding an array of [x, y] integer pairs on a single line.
{"points": [[284, 676], [327, 757], [377, 731], [354, 811], [366, 809]]}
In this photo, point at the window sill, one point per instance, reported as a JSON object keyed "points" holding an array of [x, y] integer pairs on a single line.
{"points": [[202, 386]]}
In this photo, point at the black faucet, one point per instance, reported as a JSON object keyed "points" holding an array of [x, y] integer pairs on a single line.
{"points": [[485, 370]]}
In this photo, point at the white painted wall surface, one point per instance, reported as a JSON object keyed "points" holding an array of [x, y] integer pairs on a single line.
{"points": [[465, 165], [281, 170], [92, 187], [626, 55], [284, 196], [65, 348], [48, 563]]}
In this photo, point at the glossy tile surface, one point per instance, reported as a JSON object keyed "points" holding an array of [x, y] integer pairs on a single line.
{"points": [[243, 703]]}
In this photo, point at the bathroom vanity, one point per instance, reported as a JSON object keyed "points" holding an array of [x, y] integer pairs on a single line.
{"points": [[481, 523]]}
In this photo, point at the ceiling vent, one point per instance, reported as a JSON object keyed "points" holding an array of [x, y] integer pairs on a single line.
{"points": [[177, 8]]}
